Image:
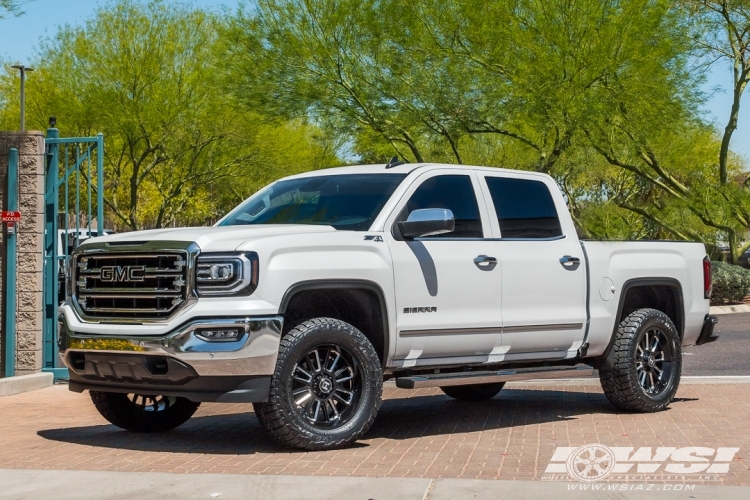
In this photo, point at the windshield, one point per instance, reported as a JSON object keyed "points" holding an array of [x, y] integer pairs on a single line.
{"points": [[343, 201]]}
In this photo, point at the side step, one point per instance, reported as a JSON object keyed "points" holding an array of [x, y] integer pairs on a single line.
{"points": [[489, 377]]}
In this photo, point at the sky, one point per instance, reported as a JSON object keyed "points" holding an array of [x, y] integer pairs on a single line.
{"points": [[19, 37]]}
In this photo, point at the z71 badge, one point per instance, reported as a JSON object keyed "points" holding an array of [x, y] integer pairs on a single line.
{"points": [[372, 237]]}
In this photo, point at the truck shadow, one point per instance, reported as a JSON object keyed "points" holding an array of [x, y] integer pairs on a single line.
{"points": [[216, 430]]}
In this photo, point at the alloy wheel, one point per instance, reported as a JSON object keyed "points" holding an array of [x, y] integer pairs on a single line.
{"points": [[152, 403], [326, 386], [653, 362]]}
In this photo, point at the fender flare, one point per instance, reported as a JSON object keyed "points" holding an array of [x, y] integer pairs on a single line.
{"points": [[338, 284], [635, 282]]}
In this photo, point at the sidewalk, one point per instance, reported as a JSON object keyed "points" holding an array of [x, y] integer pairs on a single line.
{"points": [[74, 485], [734, 309]]}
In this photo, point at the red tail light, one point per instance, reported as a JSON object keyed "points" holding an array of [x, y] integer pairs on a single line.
{"points": [[707, 278]]}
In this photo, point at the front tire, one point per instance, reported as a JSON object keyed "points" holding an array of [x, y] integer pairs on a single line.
{"points": [[473, 392], [642, 371], [326, 388], [134, 412]]}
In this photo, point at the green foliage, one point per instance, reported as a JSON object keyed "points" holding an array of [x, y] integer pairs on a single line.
{"points": [[731, 283], [600, 94], [200, 110], [425, 75], [12, 8], [178, 149]]}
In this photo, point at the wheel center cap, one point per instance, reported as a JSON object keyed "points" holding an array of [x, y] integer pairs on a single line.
{"points": [[651, 362], [325, 385]]}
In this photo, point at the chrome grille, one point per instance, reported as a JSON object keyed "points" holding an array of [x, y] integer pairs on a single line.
{"points": [[131, 285]]}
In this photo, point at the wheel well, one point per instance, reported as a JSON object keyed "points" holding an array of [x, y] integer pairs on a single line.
{"points": [[664, 296], [363, 308]]}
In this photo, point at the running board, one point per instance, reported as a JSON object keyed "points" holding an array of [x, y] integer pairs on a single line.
{"points": [[490, 377]]}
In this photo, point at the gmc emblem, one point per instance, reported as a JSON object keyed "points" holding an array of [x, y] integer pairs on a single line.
{"points": [[122, 273]]}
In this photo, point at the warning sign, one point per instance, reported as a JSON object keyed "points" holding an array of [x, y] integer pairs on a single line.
{"points": [[11, 216]]}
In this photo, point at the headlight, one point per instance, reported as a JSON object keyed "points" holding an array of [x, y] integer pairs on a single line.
{"points": [[226, 274]]}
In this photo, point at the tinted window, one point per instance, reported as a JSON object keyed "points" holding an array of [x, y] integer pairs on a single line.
{"points": [[454, 192], [524, 208], [343, 201]]}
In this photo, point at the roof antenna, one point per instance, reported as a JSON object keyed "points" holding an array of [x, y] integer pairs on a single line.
{"points": [[394, 162]]}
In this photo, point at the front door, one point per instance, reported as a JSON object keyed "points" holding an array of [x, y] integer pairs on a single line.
{"points": [[448, 285], [544, 272]]}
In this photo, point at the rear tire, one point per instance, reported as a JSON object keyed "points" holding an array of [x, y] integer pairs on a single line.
{"points": [[326, 389], [473, 392], [642, 371], [138, 413]]}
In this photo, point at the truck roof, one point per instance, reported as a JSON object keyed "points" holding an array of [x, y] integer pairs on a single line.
{"points": [[405, 168]]}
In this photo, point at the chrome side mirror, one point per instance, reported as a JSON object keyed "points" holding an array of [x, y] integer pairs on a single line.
{"points": [[427, 222]]}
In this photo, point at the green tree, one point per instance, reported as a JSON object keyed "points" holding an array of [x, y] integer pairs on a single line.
{"points": [[683, 191], [723, 31], [600, 94], [146, 76]]}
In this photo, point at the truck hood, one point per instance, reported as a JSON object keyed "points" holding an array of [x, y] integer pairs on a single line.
{"points": [[214, 238]]}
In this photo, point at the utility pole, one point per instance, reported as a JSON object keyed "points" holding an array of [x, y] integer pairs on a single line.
{"points": [[23, 70]]}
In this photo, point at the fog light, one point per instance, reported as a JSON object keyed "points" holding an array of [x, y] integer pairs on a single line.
{"points": [[219, 334]]}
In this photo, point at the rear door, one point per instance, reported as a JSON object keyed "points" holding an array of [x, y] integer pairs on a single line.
{"points": [[543, 268], [447, 288]]}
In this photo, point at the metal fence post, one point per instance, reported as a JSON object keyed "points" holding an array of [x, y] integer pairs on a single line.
{"points": [[99, 184], [11, 255], [50, 251]]}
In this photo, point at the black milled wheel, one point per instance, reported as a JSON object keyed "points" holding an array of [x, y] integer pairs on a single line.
{"points": [[326, 389], [138, 413], [473, 392], [642, 371]]}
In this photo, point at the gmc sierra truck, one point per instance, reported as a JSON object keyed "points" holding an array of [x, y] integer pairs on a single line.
{"points": [[309, 295]]}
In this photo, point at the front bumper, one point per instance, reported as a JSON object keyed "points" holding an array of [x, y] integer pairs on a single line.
{"points": [[178, 363]]}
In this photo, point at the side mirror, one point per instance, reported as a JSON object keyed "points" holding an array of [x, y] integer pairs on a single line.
{"points": [[427, 222]]}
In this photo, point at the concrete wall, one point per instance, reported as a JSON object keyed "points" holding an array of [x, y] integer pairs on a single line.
{"points": [[30, 302]]}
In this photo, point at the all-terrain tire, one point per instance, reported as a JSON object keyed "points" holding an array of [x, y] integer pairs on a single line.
{"points": [[473, 392], [143, 414], [625, 374], [290, 415]]}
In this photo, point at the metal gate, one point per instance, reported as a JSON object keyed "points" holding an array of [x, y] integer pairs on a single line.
{"points": [[74, 174]]}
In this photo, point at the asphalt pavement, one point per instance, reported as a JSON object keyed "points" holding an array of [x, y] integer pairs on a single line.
{"points": [[730, 355]]}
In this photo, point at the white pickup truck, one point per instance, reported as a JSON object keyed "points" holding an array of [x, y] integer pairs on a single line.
{"points": [[315, 290]]}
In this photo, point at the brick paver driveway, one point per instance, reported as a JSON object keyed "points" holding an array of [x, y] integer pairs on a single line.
{"points": [[418, 433]]}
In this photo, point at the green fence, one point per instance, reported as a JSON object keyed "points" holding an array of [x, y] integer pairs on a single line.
{"points": [[74, 176]]}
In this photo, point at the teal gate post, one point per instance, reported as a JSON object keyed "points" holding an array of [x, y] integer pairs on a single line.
{"points": [[10, 268], [68, 159]]}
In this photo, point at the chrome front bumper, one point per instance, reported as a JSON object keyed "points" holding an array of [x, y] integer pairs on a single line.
{"points": [[178, 363]]}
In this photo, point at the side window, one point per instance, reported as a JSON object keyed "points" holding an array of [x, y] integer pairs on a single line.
{"points": [[454, 192], [524, 208]]}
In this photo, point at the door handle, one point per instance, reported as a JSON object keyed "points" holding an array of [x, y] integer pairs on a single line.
{"points": [[570, 263], [485, 262]]}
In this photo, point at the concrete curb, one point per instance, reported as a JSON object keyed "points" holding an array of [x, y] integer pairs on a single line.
{"points": [[83, 485], [739, 308], [25, 383]]}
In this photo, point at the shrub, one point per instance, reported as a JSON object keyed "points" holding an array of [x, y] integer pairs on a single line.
{"points": [[730, 283]]}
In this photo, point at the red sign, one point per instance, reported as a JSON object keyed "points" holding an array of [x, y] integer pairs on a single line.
{"points": [[11, 216]]}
